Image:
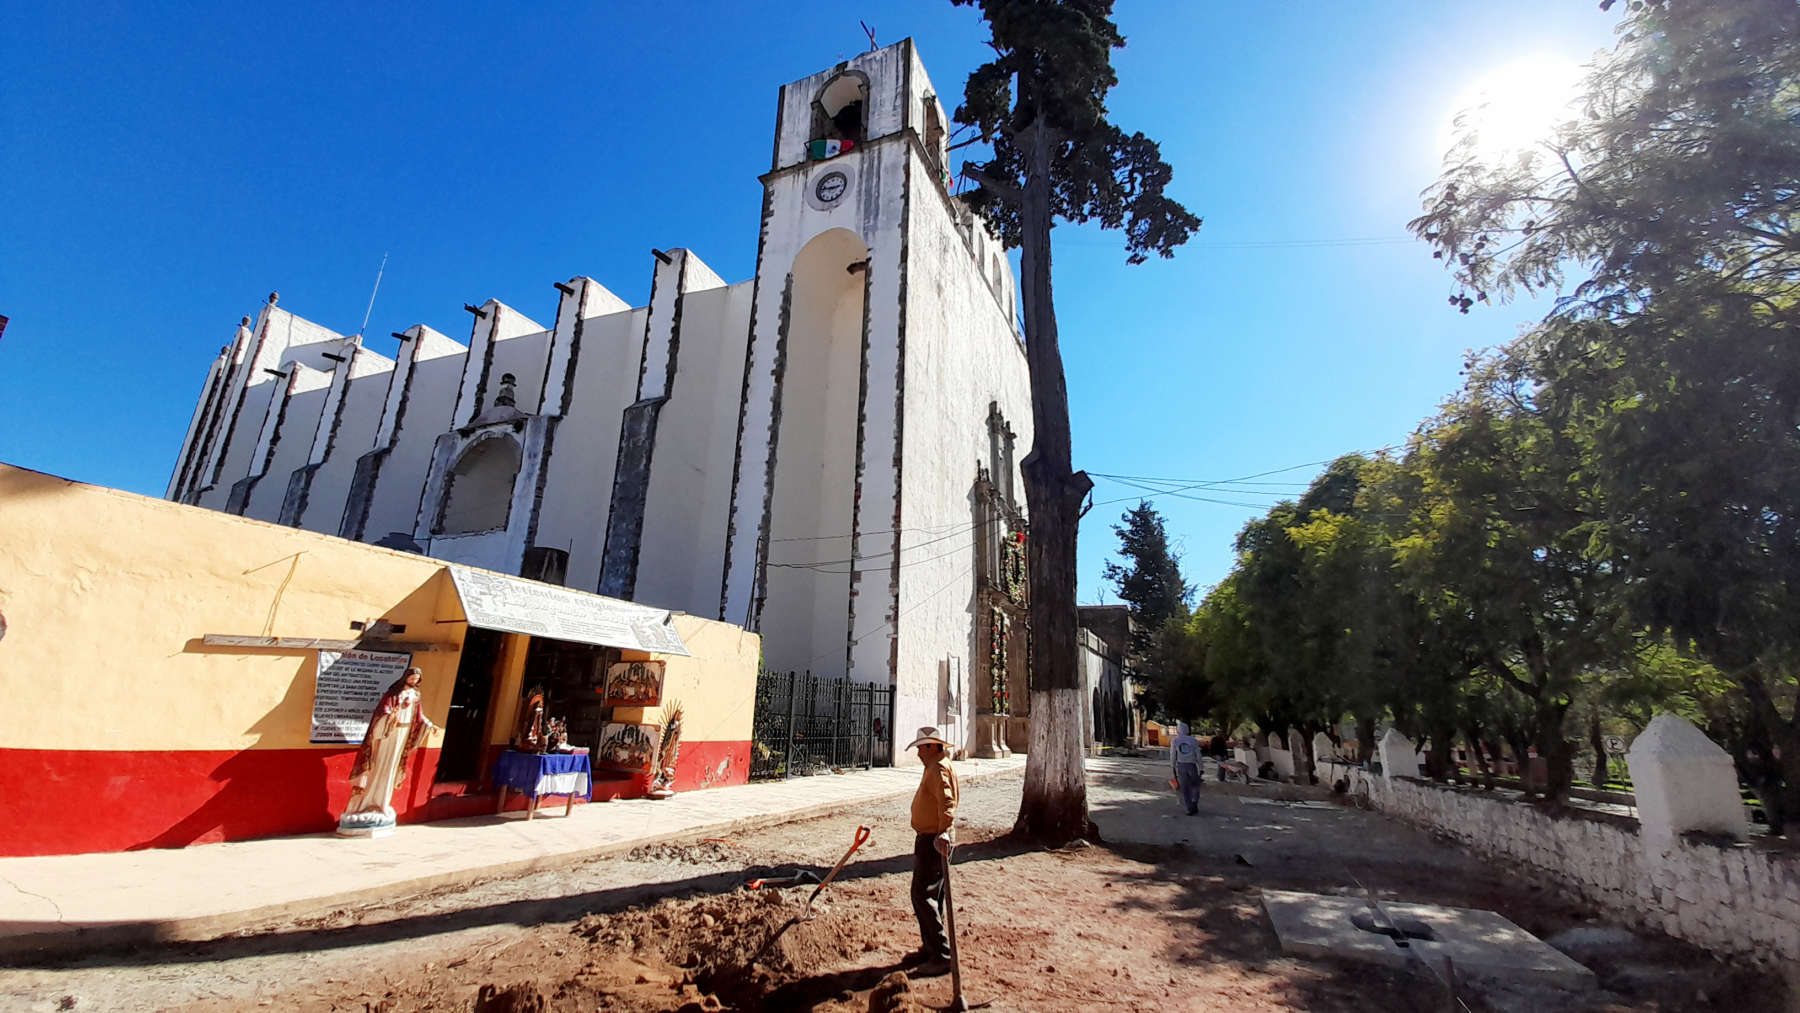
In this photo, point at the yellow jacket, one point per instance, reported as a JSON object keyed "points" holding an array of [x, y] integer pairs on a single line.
{"points": [[934, 804]]}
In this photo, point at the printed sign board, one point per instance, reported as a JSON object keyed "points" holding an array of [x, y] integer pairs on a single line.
{"points": [[494, 601], [348, 686], [1615, 744]]}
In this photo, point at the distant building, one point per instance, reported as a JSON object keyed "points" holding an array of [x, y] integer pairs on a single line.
{"points": [[1105, 639], [815, 452]]}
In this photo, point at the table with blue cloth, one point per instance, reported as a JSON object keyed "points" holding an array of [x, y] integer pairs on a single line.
{"points": [[538, 774]]}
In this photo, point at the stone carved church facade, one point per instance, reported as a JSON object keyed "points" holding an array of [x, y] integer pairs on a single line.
{"points": [[823, 453]]}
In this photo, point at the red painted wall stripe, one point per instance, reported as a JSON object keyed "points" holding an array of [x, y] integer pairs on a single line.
{"points": [[66, 801]]}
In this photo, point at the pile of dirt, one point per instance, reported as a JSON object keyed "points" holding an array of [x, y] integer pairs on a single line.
{"points": [[894, 995], [732, 948], [711, 852]]}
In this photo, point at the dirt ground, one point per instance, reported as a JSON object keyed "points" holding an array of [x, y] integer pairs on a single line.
{"points": [[1164, 915]]}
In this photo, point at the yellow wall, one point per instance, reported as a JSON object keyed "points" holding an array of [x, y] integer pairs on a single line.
{"points": [[106, 595], [716, 699]]}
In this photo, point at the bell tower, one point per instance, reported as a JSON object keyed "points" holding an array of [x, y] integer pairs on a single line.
{"points": [[811, 547]]}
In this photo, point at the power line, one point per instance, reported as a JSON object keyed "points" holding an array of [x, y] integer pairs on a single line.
{"points": [[931, 529], [1273, 244], [878, 555], [1184, 487]]}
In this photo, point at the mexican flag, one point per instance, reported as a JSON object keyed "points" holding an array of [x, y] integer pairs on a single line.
{"points": [[828, 149]]}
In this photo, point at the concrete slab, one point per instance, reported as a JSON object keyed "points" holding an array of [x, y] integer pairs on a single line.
{"points": [[1479, 943], [81, 903]]}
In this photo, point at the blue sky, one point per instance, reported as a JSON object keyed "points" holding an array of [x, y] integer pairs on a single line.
{"points": [[163, 167]]}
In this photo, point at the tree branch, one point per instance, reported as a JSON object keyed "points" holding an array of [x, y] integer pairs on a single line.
{"points": [[1005, 191]]}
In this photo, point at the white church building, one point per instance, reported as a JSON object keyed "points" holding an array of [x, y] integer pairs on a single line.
{"points": [[826, 453]]}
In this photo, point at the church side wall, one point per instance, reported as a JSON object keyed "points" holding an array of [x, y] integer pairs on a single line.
{"points": [[430, 396], [681, 554], [961, 354], [347, 439], [525, 357], [297, 421], [242, 447], [585, 448]]}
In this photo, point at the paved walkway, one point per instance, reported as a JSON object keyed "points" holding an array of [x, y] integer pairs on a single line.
{"points": [[80, 902]]}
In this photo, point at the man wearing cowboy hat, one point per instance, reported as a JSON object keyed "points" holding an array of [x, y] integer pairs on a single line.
{"points": [[933, 817]]}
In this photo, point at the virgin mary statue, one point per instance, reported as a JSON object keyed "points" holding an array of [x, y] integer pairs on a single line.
{"points": [[397, 725]]}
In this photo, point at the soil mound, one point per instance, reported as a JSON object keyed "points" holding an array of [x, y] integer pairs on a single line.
{"points": [[893, 994], [732, 947], [702, 853]]}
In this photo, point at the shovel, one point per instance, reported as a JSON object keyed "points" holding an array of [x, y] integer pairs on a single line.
{"points": [[959, 1001], [806, 913]]}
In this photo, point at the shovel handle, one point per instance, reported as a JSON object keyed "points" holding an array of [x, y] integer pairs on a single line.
{"points": [[862, 835]]}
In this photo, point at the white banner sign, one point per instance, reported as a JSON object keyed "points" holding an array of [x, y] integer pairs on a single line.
{"points": [[493, 601], [348, 687]]}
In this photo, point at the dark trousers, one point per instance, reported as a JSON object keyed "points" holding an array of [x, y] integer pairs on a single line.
{"points": [[928, 896], [1187, 776]]}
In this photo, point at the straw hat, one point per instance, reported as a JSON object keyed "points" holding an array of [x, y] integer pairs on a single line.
{"points": [[928, 733]]}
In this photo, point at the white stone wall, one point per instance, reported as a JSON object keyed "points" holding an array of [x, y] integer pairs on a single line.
{"points": [[525, 356], [294, 418], [585, 451], [682, 550], [346, 430], [961, 355], [420, 397], [1742, 900]]}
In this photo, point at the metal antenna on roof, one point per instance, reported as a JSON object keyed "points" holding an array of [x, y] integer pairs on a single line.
{"points": [[378, 273], [870, 32]]}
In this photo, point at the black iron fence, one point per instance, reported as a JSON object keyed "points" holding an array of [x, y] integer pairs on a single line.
{"points": [[810, 724]]}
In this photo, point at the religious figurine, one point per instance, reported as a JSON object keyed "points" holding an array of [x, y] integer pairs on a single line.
{"points": [[397, 725], [668, 747], [529, 737], [557, 736]]}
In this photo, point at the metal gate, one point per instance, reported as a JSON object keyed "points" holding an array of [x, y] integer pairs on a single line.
{"points": [[809, 724]]}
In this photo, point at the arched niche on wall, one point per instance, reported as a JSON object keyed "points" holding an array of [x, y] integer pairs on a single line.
{"points": [[841, 109], [804, 620], [478, 496]]}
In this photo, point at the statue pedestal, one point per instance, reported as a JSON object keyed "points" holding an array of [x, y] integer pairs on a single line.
{"points": [[367, 824], [990, 737]]}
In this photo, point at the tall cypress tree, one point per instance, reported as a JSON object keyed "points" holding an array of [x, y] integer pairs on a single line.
{"points": [[1041, 104], [1150, 580]]}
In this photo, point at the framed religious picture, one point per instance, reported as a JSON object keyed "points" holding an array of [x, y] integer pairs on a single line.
{"points": [[634, 684], [626, 747]]}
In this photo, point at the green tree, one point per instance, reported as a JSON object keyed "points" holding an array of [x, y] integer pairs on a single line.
{"points": [[1670, 200], [1502, 536], [1150, 582], [1041, 105]]}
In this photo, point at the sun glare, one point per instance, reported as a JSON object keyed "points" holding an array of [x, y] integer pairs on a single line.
{"points": [[1514, 107]]}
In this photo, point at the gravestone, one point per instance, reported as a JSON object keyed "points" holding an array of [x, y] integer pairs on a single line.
{"points": [[1684, 781], [1398, 757], [1280, 757], [1297, 755], [1323, 750]]}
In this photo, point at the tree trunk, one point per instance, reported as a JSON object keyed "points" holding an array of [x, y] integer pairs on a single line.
{"points": [[1597, 743], [1440, 763], [1054, 807], [1777, 781], [1365, 738], [1553, 746]]}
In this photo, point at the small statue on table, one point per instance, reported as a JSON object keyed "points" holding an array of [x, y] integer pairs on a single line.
{"points": [[395, 728]]}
